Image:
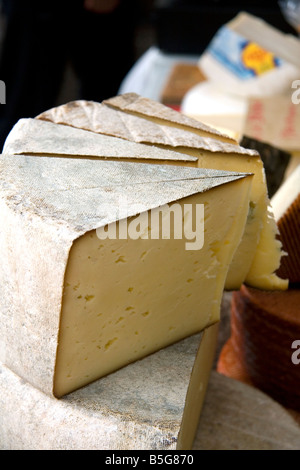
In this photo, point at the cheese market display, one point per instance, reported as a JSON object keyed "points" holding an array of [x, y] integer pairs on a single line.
{"points": [[122, 224]]}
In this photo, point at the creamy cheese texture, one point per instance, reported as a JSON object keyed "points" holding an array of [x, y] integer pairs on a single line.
{"points": [[259, 253], [124, 299], [87, 306], [134, 118]]}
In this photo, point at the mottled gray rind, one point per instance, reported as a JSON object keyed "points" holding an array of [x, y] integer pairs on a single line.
{"points": [[136, 127], [33, 136], [234, 416], [101, 117], [138, 407], [79, 195], [134, 103]]}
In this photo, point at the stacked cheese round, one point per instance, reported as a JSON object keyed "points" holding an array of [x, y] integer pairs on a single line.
{"points": [[262, 350]]}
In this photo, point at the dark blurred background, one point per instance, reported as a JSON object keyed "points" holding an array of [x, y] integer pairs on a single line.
{"points": [[54, 51], [188, 26]]}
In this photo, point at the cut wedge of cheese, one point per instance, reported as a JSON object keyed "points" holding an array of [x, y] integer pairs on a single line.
{"points": [[80, 301], [141, 120], [147, 405]]}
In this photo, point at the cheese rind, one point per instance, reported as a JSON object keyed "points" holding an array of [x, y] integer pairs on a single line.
{"points": [[83, 113], [60, 203], [44, 138]]}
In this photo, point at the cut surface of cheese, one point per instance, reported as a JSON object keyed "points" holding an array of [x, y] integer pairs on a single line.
{"points": [[138, 119], [89, 303], [147, 405]]}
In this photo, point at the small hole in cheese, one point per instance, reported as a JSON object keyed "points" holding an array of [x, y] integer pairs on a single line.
{"points": [[109, 343], [89, 297]]}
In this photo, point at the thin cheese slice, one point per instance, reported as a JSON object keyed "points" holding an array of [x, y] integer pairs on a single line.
{"points": [[89, 303], [141, 120]]}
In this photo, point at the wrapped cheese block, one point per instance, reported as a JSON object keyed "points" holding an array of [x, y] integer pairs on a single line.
{"points": [[103, 263], [141, 120]]}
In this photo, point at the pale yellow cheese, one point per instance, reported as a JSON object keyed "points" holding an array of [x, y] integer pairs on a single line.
{"points": [[124, 299], [259, 253]]}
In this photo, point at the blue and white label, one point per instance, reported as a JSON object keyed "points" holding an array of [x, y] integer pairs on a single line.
{"points": [[244, 58]]}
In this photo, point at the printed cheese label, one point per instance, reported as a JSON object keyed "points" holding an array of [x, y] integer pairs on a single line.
{"points": [[243, 58]]}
